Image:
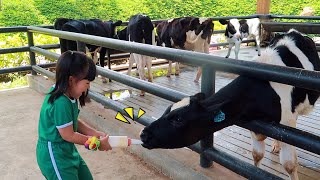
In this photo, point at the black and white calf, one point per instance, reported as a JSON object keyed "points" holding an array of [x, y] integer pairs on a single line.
{"points": [[237, 30], [141, 30], [244, 99], [95, 27], [188, 33]]}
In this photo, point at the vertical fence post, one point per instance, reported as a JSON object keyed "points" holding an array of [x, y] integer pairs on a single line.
{"points": [[207, 87], [81, 46], [31, 54]]}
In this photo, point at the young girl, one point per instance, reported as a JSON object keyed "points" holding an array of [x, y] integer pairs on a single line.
{"points": [[59, 128]]}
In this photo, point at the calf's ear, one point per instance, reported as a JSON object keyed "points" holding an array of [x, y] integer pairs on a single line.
{"points": [[223, 21], [166, 111]]}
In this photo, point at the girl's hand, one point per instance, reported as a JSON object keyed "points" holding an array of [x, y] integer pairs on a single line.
{"points": [[99, 134], [104, 143]]}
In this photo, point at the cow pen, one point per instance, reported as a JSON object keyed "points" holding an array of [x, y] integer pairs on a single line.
{"points": [[211, 64]]}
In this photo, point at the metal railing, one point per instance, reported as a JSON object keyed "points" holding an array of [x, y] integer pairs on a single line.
{"points": [[296, 77]]}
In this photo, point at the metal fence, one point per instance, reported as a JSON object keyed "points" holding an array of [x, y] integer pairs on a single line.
{"points": [[292, 76]]}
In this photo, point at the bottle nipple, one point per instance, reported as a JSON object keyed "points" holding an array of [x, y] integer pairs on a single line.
{"points": [[134, 141]]}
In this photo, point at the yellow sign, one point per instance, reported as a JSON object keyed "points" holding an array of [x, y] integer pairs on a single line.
{"points": [[120, 117], [130, 113]]}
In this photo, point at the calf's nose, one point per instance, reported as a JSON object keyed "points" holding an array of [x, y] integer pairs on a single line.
{"points": [[238, 36]]}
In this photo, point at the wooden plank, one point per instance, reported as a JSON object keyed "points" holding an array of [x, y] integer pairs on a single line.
{"points": [[282, 175], [238, 144], [242, 138], [238, 131]]}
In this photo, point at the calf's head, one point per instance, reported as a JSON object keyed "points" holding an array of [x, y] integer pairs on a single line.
{"points": [[235, 29], [182, 124]]}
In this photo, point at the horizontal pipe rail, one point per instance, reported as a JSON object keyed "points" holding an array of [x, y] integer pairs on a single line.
{"points": [[288, 75], [48, 54], [272, 16], [26, 48], [19, 29], [235, 17], [13, 29], [42, 71], [291, 24], [24, 68], [14, 50], [308, 28], [234, 164]]}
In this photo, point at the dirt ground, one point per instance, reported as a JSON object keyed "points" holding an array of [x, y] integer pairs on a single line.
{"points": [[19, 112]]}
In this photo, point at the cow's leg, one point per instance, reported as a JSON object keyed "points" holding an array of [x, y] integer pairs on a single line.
{"points": [[275, 147], [95, 56], [131, 61], [258, 147], [237, 48], [177, 69], [258, 45], [288, 154], [229, 49], [102, 54], [63, 45], [148, 61], [199, 72], [169, 69], [140, 66], [288, 159]]}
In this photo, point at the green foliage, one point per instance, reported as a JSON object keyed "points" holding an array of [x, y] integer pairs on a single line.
{"points": [[20, 13], [293, 7], [78, 9]]}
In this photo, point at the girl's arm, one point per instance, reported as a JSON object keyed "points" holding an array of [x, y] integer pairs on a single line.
{"points": [[69, 135]]}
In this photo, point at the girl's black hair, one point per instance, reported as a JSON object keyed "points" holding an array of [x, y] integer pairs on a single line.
{"points": [[76, 64]]}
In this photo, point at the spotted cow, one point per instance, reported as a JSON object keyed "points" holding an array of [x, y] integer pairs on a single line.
{"points": [[141, 30], [187, 33], [243, 100], [237, 30]]}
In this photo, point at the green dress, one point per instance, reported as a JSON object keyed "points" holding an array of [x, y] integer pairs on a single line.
{"points": [[57, 158]]}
